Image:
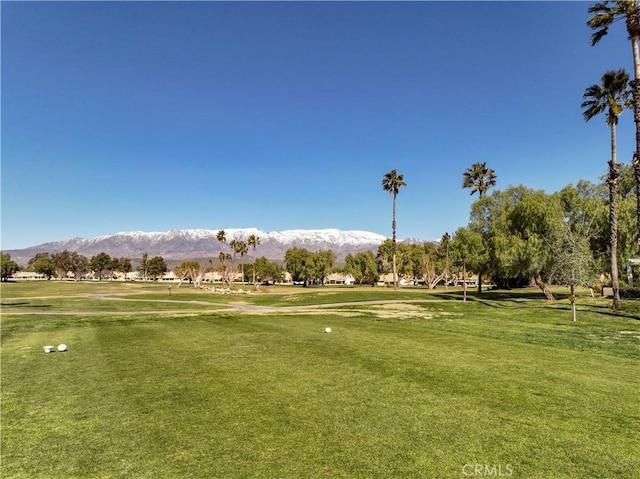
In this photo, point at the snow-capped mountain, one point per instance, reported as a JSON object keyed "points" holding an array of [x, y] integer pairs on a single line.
{"points": [[203, 243]]}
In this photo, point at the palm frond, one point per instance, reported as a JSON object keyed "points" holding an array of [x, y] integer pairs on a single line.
{"points": [[610, 95], [599, 7]]}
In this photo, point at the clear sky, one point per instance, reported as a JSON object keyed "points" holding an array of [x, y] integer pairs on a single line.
{"points": [[150, 116]]}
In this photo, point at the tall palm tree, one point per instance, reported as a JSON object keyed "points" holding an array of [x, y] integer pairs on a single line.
{"points": [[392, 182], [479, 178], [606, 13], [221, 236], [239, 247], [611, 95], [254, 241]]}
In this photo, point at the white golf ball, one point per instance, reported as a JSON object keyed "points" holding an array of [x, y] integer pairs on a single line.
{"points": [[327, 329], [62, 347]]}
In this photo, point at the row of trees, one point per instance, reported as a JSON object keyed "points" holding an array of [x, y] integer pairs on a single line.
{"points": [[611, 96], [615, 93], [514, 237], [521, 236], [239, 247], [101, 265], [260, 271], [429, 263]]}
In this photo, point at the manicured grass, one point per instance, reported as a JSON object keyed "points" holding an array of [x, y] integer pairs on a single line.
{"points": [[396, 390]]}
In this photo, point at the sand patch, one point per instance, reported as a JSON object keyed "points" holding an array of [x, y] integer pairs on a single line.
{"points": [[400, 311]]}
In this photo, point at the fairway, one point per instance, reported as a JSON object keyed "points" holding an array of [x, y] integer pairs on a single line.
{"points": [[196, 385]]}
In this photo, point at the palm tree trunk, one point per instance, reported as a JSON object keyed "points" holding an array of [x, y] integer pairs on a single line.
{"points": [[393, 245], [633, 28], [254, 268], [613, 218]]}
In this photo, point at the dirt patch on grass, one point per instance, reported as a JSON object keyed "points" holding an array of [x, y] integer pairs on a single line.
{"points": [[401, 311]]}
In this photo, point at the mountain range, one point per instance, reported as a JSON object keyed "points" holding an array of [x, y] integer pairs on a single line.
{"points": [[198, 244]]}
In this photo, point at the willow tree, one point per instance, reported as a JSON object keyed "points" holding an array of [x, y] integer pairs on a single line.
{"points": [[611, 95], [605, 14], [392, 182], [521, 230]]}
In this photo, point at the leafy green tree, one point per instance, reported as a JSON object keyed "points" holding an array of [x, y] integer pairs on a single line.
{"points": [[391, 183], [7, 266], [627, 219], [605, 14], [411, 260], [156, 266], [299, 263], [574, 262], [468, 244], [99, 263], [520, 227], [610, 96], [265, 271], [42, 263], [363, 267], [384, 256], [585, 211], [479, 178], [322, 262], [536, 227], [70, 262], [123, 265]]}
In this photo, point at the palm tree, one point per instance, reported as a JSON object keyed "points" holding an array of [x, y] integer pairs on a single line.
{"points": [[606, 13], [479, 178], [610, 96], [239, 247], [254, 241], [221, 236], [144, 266], [392, 182]]}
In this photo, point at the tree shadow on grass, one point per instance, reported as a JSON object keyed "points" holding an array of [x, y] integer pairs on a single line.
{"points": [[24, 304], [543, 304]]}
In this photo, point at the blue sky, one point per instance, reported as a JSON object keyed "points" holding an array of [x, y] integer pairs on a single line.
{"points": [[122, 116]]}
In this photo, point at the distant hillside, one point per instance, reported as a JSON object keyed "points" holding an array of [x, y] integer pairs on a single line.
{"points": [[202, 243]]}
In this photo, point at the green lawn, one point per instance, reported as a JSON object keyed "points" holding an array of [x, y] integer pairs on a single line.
{"points": [[419, 389]]}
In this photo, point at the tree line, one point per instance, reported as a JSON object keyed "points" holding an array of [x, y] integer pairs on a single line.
{"points": [[60, 265], [514, 236], [521, 234]]}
